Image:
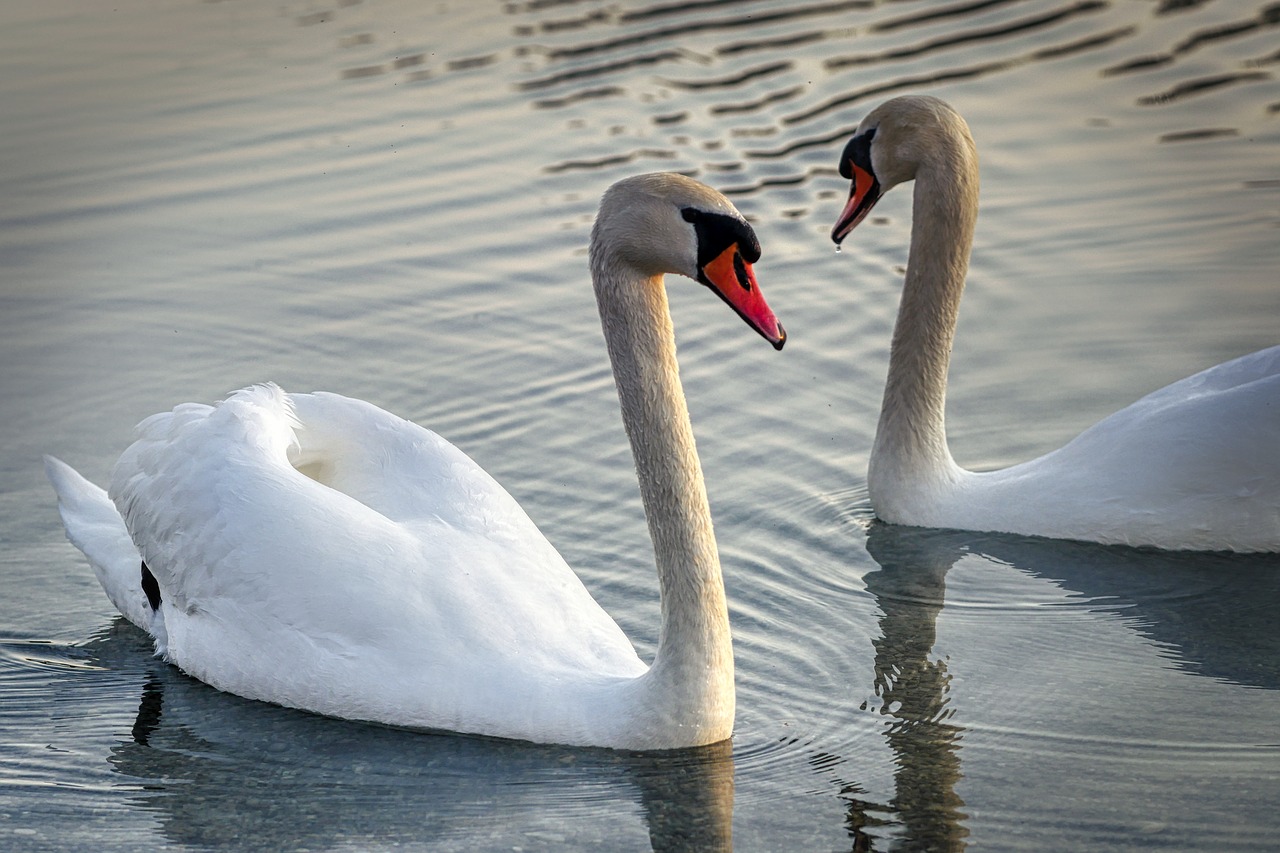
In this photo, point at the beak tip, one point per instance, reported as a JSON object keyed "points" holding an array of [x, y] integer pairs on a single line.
{"points": [[844, 225], [781, 339]]}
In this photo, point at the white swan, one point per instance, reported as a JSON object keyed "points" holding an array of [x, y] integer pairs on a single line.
{"points": [[317, 552], [1193, 466]]}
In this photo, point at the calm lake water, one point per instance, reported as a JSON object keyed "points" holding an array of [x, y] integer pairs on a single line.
{"points": [[392, 199]]}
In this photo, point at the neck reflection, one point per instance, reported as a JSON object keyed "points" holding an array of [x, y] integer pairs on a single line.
{"points": [[913, 686]]}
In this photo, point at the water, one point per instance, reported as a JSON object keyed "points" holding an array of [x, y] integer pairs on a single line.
{"points": [[392, 200]]}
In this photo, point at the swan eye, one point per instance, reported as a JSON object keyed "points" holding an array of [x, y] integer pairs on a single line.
{"points": [[857, 153]]}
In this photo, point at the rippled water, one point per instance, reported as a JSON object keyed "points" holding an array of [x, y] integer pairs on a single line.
{"points": [[391, 200]]}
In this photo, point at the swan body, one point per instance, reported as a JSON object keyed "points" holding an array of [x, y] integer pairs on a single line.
{"points": [[317, 552], [1193, 466]]}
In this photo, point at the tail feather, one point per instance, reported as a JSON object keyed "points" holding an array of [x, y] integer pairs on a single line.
{"points": [[95, 527]]}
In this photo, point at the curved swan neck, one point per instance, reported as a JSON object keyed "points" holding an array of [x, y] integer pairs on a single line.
{"points": [[694, 648], [912, 429]]}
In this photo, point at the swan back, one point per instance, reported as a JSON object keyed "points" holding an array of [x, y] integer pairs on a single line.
{"points": [[403, 585], [1192, 466]]}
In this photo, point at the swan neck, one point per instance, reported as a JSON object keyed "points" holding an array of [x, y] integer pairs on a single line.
{"points": [[694, 648], [911, 436]]}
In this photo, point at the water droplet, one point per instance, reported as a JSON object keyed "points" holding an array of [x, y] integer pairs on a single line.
{"points": [[838, 247]]}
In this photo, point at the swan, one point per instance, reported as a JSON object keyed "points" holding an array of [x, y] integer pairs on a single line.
{"points": [[1193, 466], [317, 552]]}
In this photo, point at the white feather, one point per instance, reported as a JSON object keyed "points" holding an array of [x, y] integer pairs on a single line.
{"points": [[318, 552], [1195, 465]]}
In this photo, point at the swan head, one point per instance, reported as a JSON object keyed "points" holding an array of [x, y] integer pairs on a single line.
{"points": [[890, 146], [667, 223]]}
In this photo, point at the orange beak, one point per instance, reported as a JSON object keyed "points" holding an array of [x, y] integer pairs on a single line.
{"points": [[734, 281], [863, 195]]}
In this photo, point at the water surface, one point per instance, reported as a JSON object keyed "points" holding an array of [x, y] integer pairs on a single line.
{"points": [[391, 200]]}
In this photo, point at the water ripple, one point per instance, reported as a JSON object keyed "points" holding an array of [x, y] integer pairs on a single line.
{"points": [[398, 209], [1018, 27], [1201, 86]]}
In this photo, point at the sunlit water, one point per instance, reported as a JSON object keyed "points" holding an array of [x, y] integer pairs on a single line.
{"points": [[392, 199]]}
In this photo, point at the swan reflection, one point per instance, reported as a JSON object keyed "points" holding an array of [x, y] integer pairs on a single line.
{"points": [[220, 771], [1211, 614], [913, 686]]}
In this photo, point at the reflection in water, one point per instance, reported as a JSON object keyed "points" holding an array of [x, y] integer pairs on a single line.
{"points": [[687, 797], [225, 772], [294, 153], [913, 688], [1213, 613]]}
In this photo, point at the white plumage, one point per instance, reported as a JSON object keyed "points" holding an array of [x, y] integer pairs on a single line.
{"points": [[1195, 465], [373, 591], [318, 552]]}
